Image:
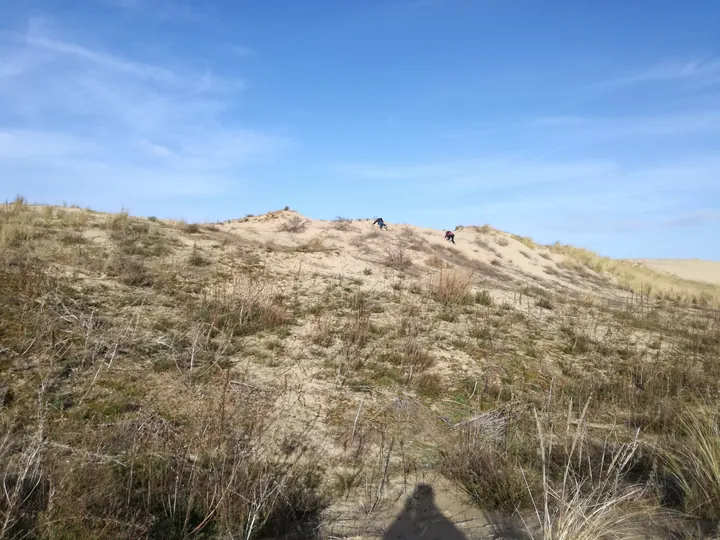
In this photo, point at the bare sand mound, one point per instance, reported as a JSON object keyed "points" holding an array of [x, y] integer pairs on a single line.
{"points": [[692, 269]]}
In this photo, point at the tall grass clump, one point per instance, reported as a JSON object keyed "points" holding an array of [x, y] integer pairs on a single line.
{"points": [[490, 475], [397, 259], [119, 222], [16, 223], [295, 224], [242, 306], [692, 462], [590, 503], [451, 287]]}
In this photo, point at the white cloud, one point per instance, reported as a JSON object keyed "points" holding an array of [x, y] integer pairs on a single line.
{"points": [[672, 69], [544, 198], [65, 48], [79, 115], [623, 126], [476, 174]]}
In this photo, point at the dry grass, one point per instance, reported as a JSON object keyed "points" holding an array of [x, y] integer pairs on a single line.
{"points": [[190, 228], [483, 298], [314, 245], [145, 397], [131, 271], [589, 505], [397, 258], [434, 261], [17, 224], [692, 462], [119, 222], [641, 279], [451, 287], [489, 474], [242, 306], [525, 241], [295, 224], [80, 459], [196, 257], [343, 224]]}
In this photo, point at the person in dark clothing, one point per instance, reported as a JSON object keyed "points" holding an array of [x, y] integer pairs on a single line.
{"points": [[380, 223], [449, 235]]}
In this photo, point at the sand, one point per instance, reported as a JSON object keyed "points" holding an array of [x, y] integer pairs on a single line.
{"points": [[692, 269]]}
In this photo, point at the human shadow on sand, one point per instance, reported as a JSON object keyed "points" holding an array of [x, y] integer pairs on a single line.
{"points": [[422, 520]]}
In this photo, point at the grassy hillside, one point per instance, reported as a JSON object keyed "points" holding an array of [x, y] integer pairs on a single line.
{"points": [[247, 379]]}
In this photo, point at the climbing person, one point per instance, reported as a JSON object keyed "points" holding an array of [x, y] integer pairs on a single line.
{"points": [[380, 223], [449, 235]]}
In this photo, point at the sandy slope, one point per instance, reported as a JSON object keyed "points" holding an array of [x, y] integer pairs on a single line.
{"points": [[693, 269], [348, 249]]}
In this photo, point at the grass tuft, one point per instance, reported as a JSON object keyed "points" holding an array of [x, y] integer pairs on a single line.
{"points": [[451, 287]]}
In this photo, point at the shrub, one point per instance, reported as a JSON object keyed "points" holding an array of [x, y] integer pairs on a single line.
{"points": [[295, 224], [490, 476], [397, 259], [451, 287], [242, 307], [119, 222], [196, 257], [692, 462], [589, 504], [434, 261], [545, 303], [429, 385], [130, 271], [314, 245], [342, 224], [483, 298]]}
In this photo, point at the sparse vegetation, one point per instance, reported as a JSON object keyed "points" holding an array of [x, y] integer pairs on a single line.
{"points": [[158, 383], [692, 464], [483, 298], [295, 224], [343, 224], [451, 287], [640, 279], [196, 257], [525, 241], [434, 261], [397, 258]]}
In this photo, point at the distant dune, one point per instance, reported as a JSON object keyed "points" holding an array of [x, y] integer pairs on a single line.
{"points": [[693, 269]]}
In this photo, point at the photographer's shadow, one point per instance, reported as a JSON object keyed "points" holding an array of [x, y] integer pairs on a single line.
{"points": [[422, 520]]}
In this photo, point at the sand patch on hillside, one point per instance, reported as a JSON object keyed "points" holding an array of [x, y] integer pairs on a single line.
{"points": [[692, 269]]}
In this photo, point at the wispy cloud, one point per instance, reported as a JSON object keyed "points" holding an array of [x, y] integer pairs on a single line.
{"points": [[545, 198], [242, 51], [138, 69], [671, 70], [124, 4], [703, 121], [166, 10], [121, 124]]}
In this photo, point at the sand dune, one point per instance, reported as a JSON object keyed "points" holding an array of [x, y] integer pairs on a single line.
{"points": [[692, 269]]}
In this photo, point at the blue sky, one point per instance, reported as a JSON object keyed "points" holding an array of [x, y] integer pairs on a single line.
{"points": [[592, 123]]}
